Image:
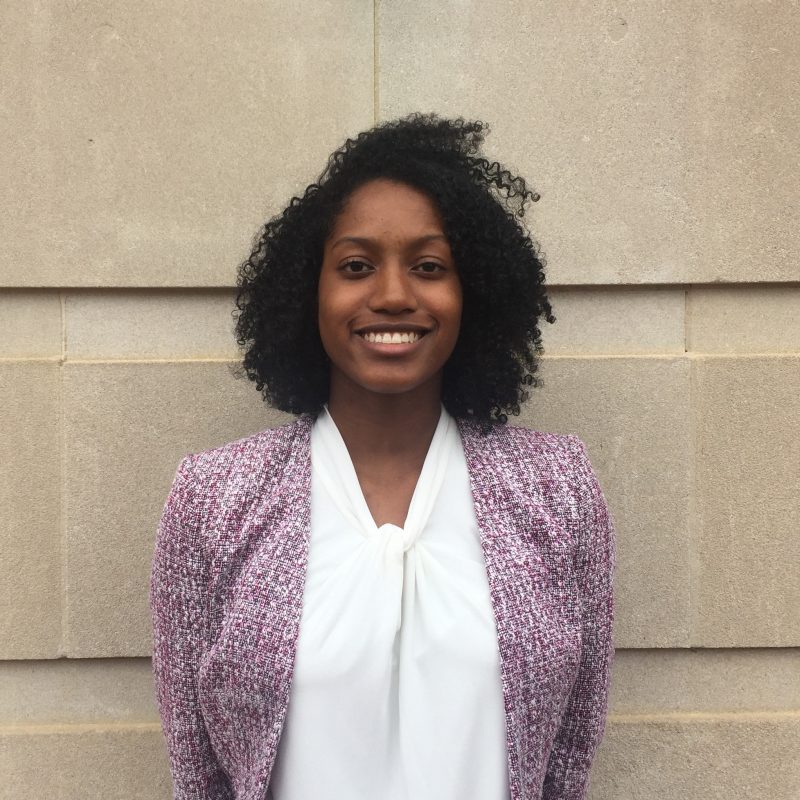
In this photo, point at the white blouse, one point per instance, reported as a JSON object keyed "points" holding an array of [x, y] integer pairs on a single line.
{"points": [[396, 692]]}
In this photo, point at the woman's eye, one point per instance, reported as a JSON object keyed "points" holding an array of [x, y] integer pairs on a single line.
{"points": [[356, 267], [429, 267]]}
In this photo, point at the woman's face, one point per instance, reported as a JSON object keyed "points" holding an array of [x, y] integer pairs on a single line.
{"points": [[387, 275]]}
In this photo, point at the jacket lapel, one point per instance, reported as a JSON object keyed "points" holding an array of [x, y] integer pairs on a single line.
{"points": [[285, 565], [490, 495], [245, 678], [528, 557]]}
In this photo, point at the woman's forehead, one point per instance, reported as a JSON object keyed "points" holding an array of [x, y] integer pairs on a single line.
{"points": [[382, 206]]}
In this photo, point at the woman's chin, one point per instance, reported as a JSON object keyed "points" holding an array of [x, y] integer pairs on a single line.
{"points": [[394, 384]]}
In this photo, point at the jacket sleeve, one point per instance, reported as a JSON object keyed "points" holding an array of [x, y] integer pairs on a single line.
{"points": [[585, 714], [176, 606]]}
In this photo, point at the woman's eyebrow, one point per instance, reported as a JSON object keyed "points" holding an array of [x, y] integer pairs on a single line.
{"points": [[366, 241]]}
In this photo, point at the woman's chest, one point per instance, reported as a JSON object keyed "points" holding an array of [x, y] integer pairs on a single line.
{"points": [[498, 584]]}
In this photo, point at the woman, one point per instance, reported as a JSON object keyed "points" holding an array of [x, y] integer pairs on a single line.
{"points": [[398, 594]]}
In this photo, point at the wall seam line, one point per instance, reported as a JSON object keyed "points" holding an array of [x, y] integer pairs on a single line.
{"points": [[707, 716], [137, 359], [62, 442], [694, 524], [376, 99]]}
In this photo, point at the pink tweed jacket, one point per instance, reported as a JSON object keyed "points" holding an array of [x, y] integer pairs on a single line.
{"points": [[226, 595]]}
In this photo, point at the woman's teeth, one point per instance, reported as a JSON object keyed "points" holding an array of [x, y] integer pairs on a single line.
{"points": [[391, 338]]}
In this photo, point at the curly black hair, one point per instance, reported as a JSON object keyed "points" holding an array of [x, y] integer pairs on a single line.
{"points": [[482, 206]]}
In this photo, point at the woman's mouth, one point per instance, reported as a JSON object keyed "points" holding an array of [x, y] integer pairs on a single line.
{"points": [[395, 337], [395, 342]]}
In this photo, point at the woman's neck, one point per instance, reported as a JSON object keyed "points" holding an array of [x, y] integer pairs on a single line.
{"points": [[381, 428]]}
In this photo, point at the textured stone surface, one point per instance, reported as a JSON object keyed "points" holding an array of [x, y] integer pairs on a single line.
{"points": [[633, 414], [699, 757], [746, 501], [144, 145], [743, 319], [30, 324], [117, 762], [743, 176], [574, 109], [648, 681], [150, 324], [602, 321], [126, 428], [658, 134], [77, 691], [199, 324], [664, 681], [30, 483]]}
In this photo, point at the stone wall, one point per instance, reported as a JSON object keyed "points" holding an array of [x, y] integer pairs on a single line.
{"points": [[143, 144]]}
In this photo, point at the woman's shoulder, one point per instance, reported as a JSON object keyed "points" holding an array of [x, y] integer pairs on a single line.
{"points": [[514, 439], [264, 442], [248, 459], [218, 485], [565, 453]]}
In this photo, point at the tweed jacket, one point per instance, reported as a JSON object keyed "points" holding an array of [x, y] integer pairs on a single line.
{"points": [[226, 593]]}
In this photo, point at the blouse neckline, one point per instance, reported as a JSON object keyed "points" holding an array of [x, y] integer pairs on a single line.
{"points": [[338, 474]]}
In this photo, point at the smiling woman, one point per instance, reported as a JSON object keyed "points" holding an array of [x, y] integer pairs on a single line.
{"points": [[387, 274], [398, 594], [448, 189]]}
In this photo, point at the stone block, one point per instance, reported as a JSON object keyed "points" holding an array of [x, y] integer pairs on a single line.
{"points": [[74, 762], [150, 324], [588, 105], [746, 412], [658, 136], [743, 176], [154, 142], [30, 324], [127, 425], [699, 757], [77, 691], [743, 319], [30, 516], [633, 414], [615, 321], [692, 681]]}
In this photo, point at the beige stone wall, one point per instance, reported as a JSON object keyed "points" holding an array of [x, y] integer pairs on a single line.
{"points": [[142, 145]]}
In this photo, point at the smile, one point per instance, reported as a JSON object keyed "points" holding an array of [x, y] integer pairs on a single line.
{"points": [[380, 337]]}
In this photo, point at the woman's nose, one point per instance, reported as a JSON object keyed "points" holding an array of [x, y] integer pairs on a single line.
{"points": [[392, 290]]}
